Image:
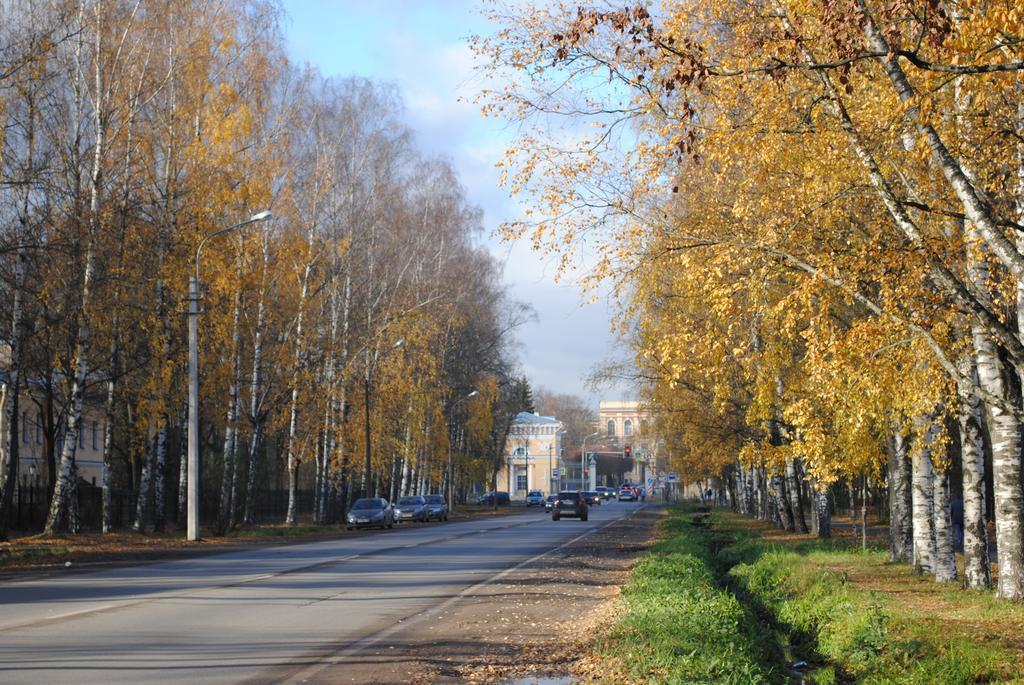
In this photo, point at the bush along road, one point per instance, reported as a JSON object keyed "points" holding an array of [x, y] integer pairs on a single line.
{"points": [[722, 598]]}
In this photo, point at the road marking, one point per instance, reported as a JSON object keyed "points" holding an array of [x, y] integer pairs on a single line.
{"points": [[336, 658], [190, 592]]}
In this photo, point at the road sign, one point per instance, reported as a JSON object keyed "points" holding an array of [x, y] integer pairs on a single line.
{"points": [[554, 473], [650, 481], [671, 478]]}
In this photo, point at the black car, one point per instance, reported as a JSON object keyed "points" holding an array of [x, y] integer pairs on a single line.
{"points": [[411, 509], [437, 507], [549, 502], [489, 497], [370, 511], [606, 493], [570, 504], [592, 497]]}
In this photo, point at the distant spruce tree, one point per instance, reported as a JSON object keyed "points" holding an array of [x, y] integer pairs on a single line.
{"points": [[522, 396]]}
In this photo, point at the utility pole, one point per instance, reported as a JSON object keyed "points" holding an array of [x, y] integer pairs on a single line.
{"points": [[192, 528]]}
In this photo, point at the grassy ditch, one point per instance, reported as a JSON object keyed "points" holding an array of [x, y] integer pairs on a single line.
{"points": [[680, 624], [725, 599]]}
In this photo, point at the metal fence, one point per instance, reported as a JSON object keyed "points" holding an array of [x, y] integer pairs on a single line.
{"points": [[31, 504]]}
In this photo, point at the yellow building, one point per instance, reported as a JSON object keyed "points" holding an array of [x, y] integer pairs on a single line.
{"points": [[625, 428], [88, 450], [532, 456]]}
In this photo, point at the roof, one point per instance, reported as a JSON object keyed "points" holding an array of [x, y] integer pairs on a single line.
{"points": [[525, 417]]}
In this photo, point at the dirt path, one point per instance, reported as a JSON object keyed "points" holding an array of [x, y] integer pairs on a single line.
{"points": [[539, 619]]}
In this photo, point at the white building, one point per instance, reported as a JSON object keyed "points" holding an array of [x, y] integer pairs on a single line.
{"points": [[532, 456]]}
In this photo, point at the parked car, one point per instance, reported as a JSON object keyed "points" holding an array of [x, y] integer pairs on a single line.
{"points": [[626, 494], [370, 511], [489, 497], [549, 502], [534, 497], [411, 509], [592, 497], [570, 504], [437, 507], [606, 493]]}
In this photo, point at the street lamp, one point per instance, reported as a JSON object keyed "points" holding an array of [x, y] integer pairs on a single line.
{"points": [[583, 456], [450, 494], [366, 417], [193, 378]]}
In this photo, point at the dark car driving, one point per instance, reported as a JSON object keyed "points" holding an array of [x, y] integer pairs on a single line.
{"points": [[370, 511], [570, 504], [437, 507], [592, 497], [549, 502], [411, 509]]}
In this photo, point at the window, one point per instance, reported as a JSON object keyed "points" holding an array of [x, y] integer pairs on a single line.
{"points": [[95, 432], [39, 428], [611, 429], [24, 426], [519, 452], [627, 428], [520, 481]]}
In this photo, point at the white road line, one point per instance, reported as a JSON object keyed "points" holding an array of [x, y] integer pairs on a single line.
{"points": [[336, 658]]}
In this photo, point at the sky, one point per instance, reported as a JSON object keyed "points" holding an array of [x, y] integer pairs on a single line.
{"points": [[420, 45]]}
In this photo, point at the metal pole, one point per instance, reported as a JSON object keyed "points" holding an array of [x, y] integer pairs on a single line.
{"points": [[193, 378], [193, 408], [551, 477], [583, 458]]}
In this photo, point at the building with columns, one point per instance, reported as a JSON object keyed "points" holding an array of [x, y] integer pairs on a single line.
{"points": [[532, 456], [627, 449]]}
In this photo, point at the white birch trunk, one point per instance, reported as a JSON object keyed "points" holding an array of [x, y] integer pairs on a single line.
{"points": [[922, 493], [975, 529], [782, 503], [944, 561], [231, 422], [793, 490], [293, 410], [256, 392], [148, 456], [822, 512], [183, 472], [901, 529], [58, 519]]}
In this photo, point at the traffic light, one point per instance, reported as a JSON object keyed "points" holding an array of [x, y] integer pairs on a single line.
{"points": [[628, 452], [586, 472]]}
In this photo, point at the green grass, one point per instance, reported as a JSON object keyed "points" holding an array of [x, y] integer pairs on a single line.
{"points": [[861, 633], [680, 626], [33, 554], [731, 600], [283, 531]]}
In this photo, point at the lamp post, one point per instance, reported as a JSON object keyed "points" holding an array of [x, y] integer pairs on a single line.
{"points": [[450, 494], [583, 456], [193, 378], [366, 418]]}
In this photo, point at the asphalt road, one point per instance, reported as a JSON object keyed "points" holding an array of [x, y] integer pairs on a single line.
{"points": [[267, 615]]}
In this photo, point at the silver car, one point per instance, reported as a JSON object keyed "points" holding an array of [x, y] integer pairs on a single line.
{"points": [[370, 511], [411, 509], [437, 507]]}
